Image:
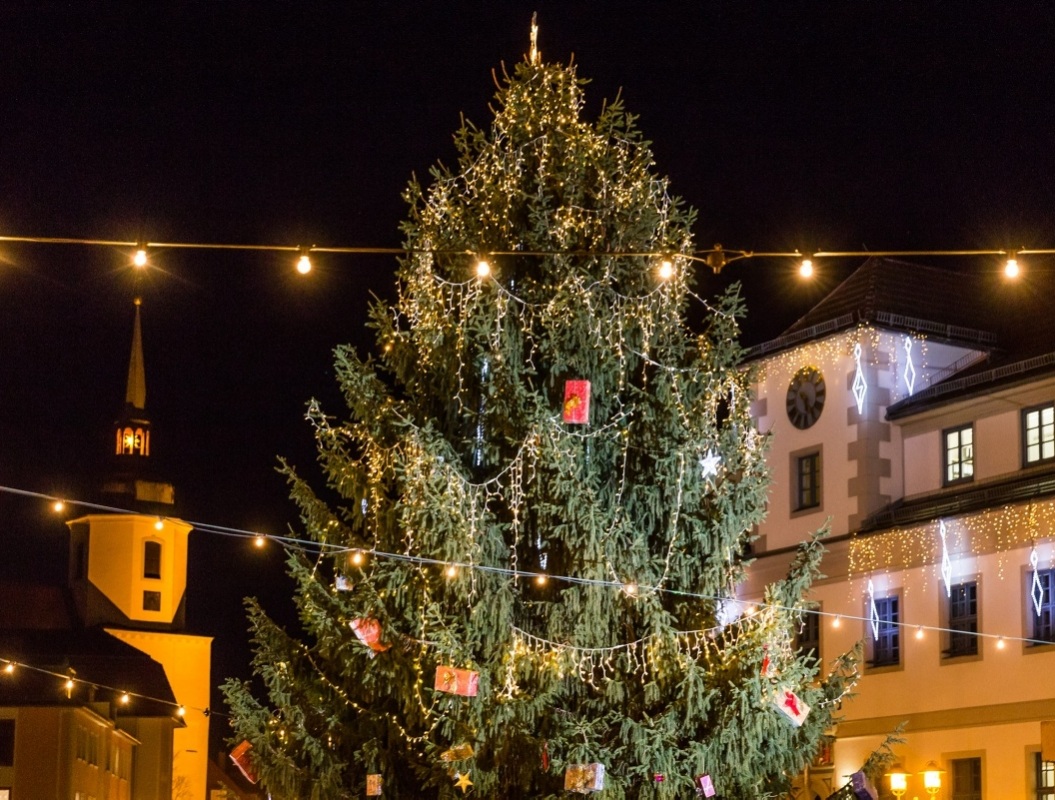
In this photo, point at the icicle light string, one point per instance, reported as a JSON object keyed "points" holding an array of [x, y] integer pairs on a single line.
{"points": [[69, 681], [422, 562]]}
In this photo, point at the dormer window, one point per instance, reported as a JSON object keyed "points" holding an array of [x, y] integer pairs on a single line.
{"points": [[151, 559]]}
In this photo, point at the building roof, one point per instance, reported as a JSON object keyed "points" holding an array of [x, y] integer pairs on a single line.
{"points": [[102, 665]]}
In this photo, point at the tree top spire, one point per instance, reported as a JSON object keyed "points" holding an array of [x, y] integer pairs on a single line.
{"points": [[533, 54]]}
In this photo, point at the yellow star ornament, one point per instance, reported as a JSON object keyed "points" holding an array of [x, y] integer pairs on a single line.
{"points": [[461, 780]]}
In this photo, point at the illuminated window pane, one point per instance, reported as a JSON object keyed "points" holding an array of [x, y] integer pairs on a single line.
{"points": [[1038, 434], [959, 454]]}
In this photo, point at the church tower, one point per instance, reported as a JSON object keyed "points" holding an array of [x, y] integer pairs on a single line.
{"points": [[128, 574]]}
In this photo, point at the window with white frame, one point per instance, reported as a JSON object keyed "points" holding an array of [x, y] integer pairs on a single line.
{"points": [[1038, 434], [959, 454], [886, 639], [1043, 778], [963, 620]]}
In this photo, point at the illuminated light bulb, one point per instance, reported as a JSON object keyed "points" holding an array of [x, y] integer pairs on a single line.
{"points": [[837, 622], [357, 558], [806, 268], [181, 711], [9, 667], [483, 268], [1000, 643], [69, 687], [1011, 269], [125, 699], [630, 589], [666, 269], [58, 506], [541, 580], [919, 632], [451, 571], [139, 260], [260, 540], [304, 263], [159, 524]]}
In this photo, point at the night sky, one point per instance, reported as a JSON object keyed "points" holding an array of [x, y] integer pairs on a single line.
{"points": [[786, 125]]}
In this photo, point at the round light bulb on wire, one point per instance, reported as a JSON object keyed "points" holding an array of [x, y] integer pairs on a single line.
{"points": [[139, 260], [806, 268], [9, 667], [259, 540], [919, 632], [126, 698], [181, 711], [540, 580], [1000, 643], [483, 268], [304, 263], [1011, 269], [357, 558], [666, 269], [837, 622], [159, 524], [58, 506], [451, 571]]}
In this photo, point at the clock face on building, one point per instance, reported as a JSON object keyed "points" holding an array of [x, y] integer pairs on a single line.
{"points": [[805, 399]]}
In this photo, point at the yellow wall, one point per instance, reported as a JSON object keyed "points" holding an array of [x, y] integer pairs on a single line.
{"points": [[187, 661], [115, 562]]}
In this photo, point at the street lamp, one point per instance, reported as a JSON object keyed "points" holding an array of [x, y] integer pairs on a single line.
{"points": [[898, 780], [932, 778]]}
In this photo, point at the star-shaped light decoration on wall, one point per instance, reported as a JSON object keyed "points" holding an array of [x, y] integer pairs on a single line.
{"points": [[946, 564], [873, 612], [910, 369], [859, 386], [1036, 590]]}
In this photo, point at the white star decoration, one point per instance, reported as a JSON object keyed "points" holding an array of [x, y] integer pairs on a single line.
{"points": [[709, 464]]}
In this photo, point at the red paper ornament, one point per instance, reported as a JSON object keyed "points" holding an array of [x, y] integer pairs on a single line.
{"points": [[368, 631], [577, 402], [464, 682], [241, 759]]}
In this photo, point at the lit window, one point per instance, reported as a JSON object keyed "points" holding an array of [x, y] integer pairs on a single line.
{"points": [[807, 481], [963, 620], [886, 647], [966, 778], [1044, 622], [151, 559], [1043, 777], [959, 454], [1038, 434]]}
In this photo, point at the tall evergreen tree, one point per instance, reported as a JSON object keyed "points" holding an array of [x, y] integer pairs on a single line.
{"points": [[575, 548]]}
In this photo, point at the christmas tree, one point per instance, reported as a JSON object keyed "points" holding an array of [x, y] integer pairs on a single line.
{"points": [[543, 499]]}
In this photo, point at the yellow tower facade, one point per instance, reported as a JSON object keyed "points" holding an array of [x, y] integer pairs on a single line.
{"points": [[128, 575]]}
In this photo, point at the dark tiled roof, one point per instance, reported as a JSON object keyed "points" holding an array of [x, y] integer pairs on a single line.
{"points": [[96, 657]]}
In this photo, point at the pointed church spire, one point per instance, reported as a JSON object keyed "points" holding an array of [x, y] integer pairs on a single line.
{"points": [[136, 395]]}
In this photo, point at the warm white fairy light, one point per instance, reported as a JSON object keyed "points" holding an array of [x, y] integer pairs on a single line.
{"points": [[304, 263], [483, 268], [859, 385], [259, 540], [666, 269], [1011, 268], [806, 268], [159, 524], [126, 698], [139, 260], [58, 506]]}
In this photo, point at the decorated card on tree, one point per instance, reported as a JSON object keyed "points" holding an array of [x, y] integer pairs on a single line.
{"points": [[584, 778], [368, 631], [457, 681], [792, 706], [704, 786], [577, 402], [373, 785], [241, 758]]}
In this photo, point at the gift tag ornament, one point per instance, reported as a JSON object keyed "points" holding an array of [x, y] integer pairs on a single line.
{"points": [[368, 631], [704, 786], [459, 752], [241, 759], [584, 778]]}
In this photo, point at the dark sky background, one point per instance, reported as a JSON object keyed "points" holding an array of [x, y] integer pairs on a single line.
{"points": [[786, 125]]}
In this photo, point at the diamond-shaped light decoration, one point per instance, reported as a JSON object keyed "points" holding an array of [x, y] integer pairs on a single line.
{"points": [[910, 368], [859, 387], [1036, 590], [946, 564], [873, 612]]}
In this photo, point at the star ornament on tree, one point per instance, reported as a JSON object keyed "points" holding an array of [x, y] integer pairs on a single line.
{"points": [[709, 464], [461, 780]]}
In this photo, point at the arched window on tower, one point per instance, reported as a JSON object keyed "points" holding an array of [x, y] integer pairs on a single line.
{"points": [[133, 442], [152, 559]]}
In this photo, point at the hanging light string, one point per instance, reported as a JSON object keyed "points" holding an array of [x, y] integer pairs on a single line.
{"points": [[451, 568], [716, 257], [68, 680]]}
